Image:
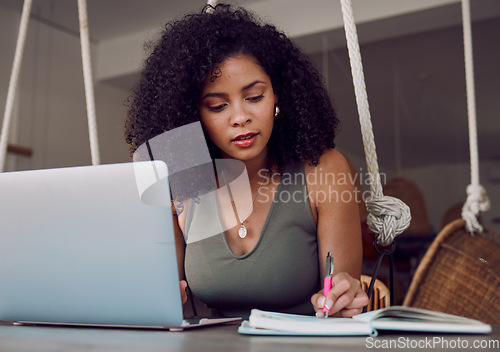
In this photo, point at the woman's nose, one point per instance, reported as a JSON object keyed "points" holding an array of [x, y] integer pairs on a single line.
{"points": [[239, 117]]}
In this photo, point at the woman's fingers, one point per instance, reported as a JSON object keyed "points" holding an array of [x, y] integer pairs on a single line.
{"points": [[318, 301], [355, 307], [349, 313], [183, 285], [360, 300], [346, 298], [344, 292]]}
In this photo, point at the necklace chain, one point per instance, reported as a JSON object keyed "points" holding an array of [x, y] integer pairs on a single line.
{"points": [[242, 231]]}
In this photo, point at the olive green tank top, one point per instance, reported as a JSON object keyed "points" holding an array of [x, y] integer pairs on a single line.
{"points": [[280, 273]]}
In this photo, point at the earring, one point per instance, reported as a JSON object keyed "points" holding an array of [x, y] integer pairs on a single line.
{"points": [[276, 110]]}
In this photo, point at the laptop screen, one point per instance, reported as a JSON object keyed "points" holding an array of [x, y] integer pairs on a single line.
{"points": [[79, 246]]}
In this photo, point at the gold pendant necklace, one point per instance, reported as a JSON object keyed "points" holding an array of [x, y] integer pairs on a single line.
{"points": [[242, 231]]}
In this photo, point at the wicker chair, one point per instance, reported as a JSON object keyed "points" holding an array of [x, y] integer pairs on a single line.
{"points": [[459, 274], [380, 297]]}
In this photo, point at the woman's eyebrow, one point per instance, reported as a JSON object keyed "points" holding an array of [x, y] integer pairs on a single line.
{"points": [[208, 95], [248, 86]]}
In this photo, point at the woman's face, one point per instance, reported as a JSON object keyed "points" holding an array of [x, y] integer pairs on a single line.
{"points": [[237, 108]]}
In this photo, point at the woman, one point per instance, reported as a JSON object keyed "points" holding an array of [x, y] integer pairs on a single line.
{"points": [[260, 101]]}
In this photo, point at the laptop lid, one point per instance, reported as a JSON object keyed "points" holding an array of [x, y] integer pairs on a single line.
{"points": [[78, 246]]}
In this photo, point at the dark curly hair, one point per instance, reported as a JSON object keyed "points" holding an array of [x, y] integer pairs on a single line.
{"points": [[167, 94]]}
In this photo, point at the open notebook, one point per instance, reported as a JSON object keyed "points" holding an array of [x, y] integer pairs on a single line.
{"points": [[395, 318], [78, 246]]}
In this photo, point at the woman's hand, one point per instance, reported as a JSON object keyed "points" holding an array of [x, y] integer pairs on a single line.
{"points": [[184, 296], [345, 299]]}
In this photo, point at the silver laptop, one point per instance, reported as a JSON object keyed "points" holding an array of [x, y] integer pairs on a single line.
{"points": [[79, 246]]}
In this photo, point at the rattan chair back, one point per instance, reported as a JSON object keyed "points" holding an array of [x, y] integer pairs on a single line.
{"points": [[380, 297], [459, 274]]}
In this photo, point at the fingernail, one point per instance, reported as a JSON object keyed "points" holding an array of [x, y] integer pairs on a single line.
{"points": [[321, 301], [328, 304], [319, 314]]}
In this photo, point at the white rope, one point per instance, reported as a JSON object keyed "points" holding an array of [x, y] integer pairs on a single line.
{"points": [[477, 199], [212, 3], [14, 78], [387, 216], [88, 81]]}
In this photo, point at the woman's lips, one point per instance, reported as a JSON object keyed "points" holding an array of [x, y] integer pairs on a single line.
{"points": [[245, 140]]}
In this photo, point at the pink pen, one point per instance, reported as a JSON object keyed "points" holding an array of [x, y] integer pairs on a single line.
{"points": [[327, 284]]}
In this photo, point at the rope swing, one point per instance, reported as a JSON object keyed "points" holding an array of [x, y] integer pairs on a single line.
{"points": [[387, 216], [87, 75], [14, 78], [211, 5], [88, 81], [477, 199]]}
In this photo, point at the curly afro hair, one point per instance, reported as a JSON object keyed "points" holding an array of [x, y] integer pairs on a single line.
{"points": [[167, 94]]}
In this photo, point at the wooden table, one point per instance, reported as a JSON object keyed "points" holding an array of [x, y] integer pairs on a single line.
{"points": [[220, 339]]}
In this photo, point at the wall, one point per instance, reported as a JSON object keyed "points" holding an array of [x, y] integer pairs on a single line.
{"points": [[445, 185]]}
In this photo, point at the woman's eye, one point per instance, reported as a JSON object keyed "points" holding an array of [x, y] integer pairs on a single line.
{"points": [[217, 108], [256, 99]]}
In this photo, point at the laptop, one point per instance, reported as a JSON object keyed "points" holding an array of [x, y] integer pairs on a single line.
{"points": [[90, 246]]}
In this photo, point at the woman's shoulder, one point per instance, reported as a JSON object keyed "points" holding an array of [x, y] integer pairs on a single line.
{"points": [[331, 161], [333, 173], [328, 180]]}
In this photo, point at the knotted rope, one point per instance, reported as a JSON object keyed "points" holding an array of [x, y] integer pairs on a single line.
{"points": [[14, 78], [477, 199], [477, 202], [387, 216]]}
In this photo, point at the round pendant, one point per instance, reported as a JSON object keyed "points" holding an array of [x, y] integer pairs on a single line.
{"points": [[242, 231]]}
